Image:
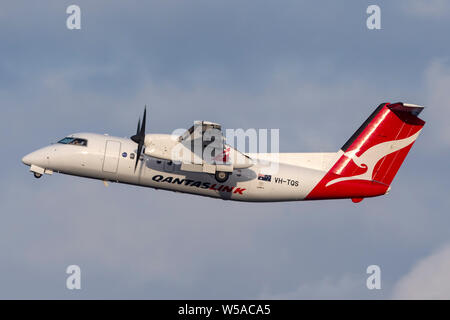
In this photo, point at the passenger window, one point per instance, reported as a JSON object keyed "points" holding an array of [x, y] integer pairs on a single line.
{"points": [[132, 156]]}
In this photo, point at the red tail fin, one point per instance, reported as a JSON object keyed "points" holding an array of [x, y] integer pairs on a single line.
{"points": [[372, 156]]}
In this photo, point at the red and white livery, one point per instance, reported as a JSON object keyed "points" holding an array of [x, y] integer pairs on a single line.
{"points": [[364, 167]]}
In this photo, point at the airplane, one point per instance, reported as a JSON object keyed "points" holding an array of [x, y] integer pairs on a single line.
{"points": [[364, 167]]}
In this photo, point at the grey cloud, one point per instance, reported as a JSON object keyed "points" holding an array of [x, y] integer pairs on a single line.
{"points": [[433, 9], [428, 278]]}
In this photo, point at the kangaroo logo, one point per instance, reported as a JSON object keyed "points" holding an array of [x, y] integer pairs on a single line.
{"points": [[371, 157]]}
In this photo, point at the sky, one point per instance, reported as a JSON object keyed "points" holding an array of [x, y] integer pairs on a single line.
{"points": [[311, 69]]}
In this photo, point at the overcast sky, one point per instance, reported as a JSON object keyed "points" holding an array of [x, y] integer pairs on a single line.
{"points": [[310, 68]]}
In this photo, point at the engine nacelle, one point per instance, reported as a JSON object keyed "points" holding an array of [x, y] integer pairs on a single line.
{"points": [[171, 147], [160, 146]]}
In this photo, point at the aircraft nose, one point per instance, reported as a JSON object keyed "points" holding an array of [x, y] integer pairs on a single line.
{"points": [[27, 159], [37, 157]]}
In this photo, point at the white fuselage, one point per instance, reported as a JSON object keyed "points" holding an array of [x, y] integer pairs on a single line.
{"points": [[290, 177]]}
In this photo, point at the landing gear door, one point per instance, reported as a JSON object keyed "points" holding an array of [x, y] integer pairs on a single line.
{"points": [[111, 160]]}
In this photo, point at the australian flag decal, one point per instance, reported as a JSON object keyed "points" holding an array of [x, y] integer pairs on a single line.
{"points": [[265, 177]]}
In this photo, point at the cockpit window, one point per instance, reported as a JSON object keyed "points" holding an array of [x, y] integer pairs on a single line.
{"points": [[74, 141], [65, 140], [79, 142]]}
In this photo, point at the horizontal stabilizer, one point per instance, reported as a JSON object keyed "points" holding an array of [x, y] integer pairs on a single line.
{"points": [[413, 109]]}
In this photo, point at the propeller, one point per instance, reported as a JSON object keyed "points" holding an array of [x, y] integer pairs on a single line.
{"points": [[139, 137]]}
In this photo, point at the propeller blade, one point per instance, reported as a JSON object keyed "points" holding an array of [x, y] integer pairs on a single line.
{"points": [[139, 137], [138, 155], [136, 138], [143, 122]]}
